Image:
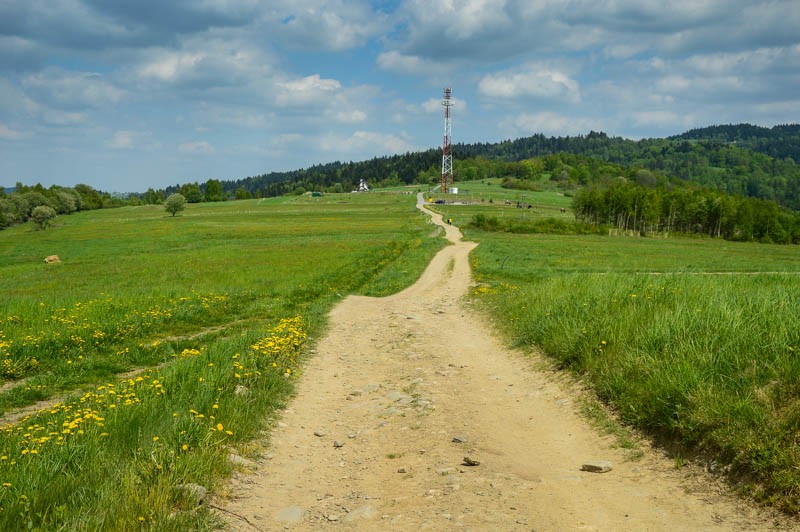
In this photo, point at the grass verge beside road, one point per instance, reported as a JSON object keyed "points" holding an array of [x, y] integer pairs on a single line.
{"points": [[696, 341], [208, 313]]}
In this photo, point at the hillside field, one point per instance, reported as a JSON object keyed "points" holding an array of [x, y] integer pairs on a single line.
{"points": [[165, 344], [159, 346], [696, 341]]}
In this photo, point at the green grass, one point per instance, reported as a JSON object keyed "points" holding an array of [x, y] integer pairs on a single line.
{"points": [[489, 193], [694, 341], [196, 306]]}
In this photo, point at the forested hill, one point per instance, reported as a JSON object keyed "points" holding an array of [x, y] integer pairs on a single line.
{"points": [[779, 141], [740, 159]]}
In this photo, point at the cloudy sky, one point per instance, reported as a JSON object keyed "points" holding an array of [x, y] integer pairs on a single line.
{"points": [[129, 94]]}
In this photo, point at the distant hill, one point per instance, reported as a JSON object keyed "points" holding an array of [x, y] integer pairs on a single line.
{"points": [[742, 159], [779, 141]]}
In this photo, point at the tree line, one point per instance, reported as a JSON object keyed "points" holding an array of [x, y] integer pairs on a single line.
{"points": [[29, 202], [736, 160], [689, 209], [742, 160]]}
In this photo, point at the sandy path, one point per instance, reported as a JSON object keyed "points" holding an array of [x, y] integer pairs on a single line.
{"points": [[392, 385]]}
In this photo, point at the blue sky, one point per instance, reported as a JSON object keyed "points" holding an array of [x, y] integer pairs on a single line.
{"points": [[129, 94]]}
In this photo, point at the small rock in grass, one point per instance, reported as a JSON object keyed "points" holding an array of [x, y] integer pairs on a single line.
{"points": [[194, 492], [235, 459], [241, 390], [598, 466]]}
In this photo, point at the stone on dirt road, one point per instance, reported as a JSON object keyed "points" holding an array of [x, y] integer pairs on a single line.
{"points": [[291, 514], [468, 461], [362, 512], [399, 397], [597, 466]]}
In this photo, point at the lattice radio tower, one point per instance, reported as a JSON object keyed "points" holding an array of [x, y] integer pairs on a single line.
{"points": [[447, 150]]}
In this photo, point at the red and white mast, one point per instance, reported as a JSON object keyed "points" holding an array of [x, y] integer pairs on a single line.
{"points": [[447, 150]]}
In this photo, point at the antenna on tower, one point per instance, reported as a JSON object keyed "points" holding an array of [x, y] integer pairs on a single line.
{"points": [[447, 151]]}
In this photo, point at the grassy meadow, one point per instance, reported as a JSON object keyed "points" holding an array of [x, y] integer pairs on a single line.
{"points": [[696, 341], [160, 345]]}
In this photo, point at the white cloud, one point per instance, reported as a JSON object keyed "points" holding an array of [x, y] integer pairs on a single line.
{"points": [[7, 133], [329, 25], [351, 117], [122, 140], [661, 119], [366, 143], [394, 61], [532, 82], [548, 123], [68, 90], [434, 105], [307, 90], [197, 148], [202, 63]]}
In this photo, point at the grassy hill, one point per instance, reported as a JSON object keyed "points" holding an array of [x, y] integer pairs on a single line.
{"points": [[164, 344]]}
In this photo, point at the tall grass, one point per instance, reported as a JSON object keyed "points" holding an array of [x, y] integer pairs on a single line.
{"points": [[209, 312], [709, 362]]}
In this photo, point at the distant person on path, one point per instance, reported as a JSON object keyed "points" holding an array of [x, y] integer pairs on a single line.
{"points": [[449, 221]]}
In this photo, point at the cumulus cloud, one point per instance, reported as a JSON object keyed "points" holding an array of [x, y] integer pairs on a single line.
{"points": [[350, 117], [444, 30], [331, 25], [661, 119], [394, 61], [548, 123], [201, 147], [533, 82], [72, 90], [286, 75], [307, 90], [20, 53], [201, 64], [6, 133], [122, 140], [434, 105], [365, 143]]}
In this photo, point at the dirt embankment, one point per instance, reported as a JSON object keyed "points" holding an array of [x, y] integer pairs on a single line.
{"points": [[405, 391]]}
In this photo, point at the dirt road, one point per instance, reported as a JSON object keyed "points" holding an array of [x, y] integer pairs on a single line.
{"points": [[404, 388]]}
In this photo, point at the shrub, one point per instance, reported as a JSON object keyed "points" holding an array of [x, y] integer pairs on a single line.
{"points": [[175, 203], [43, 216]]}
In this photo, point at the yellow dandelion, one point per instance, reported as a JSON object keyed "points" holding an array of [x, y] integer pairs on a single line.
{"points": [[219, 426]]}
